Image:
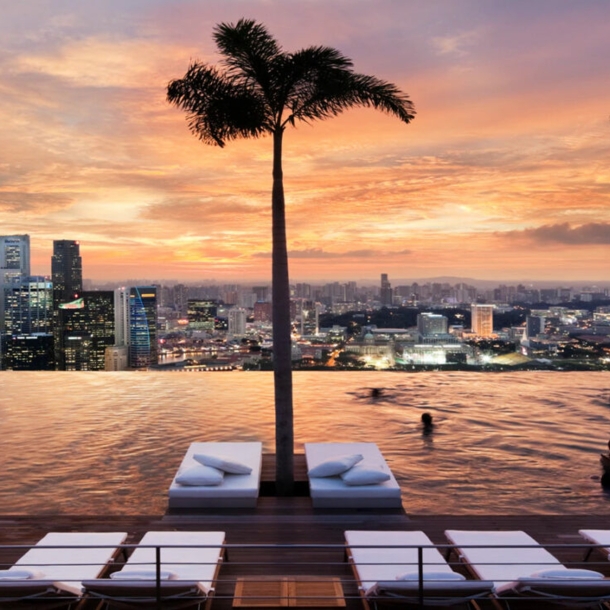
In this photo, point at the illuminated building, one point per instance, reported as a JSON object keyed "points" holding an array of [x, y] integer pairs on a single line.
{"points": [[67, 277], [201, 314], [482, 323], [143, 349], [14, 265], [29, 306], [99, 324]]}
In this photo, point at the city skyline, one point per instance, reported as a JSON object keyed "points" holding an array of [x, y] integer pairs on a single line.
{"points": [[500, 177]]}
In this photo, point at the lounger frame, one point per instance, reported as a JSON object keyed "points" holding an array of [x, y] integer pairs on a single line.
{"points": [[65, 559], [196, 581], [372, 554], [518, 582]]}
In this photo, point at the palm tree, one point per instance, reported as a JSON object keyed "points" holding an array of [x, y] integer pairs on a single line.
{"points": [[260, 91]]}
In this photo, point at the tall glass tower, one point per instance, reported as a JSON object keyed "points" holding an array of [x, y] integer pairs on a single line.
{"points": [[67, 276], [143, 350], [66, 271], [14, 266]]}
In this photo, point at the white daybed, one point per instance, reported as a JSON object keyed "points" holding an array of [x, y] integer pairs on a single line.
{"points": [[334, 492], [386, 567], [53, 570], [235, 490], [520, 567], [188, 570]]}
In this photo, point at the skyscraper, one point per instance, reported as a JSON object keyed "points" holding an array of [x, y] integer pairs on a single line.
{"points": [[99, 324], [66, 271], [14, 265], [121, 316], [28, 338], [29, 306], [143, 349], [67, 277], [14, 257], [386, 293], [482, 319]]}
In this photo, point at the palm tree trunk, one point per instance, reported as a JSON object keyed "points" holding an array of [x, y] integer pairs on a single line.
{"points": [[282, 361]]}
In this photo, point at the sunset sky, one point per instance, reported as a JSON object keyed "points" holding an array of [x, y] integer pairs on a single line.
{"points": [[503, 175]]}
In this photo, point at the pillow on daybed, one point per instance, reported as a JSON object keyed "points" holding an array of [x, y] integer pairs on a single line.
{"points": [[568, 573], [334, 466], [143, 575], [364, 475], [432, 576], [222, 464], [20, 575], [200, 475]]}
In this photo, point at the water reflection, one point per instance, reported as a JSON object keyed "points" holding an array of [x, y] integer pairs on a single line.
{"points": [[89, 443]]}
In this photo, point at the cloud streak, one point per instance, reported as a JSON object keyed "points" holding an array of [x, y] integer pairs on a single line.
{"points": [[508, 146]]}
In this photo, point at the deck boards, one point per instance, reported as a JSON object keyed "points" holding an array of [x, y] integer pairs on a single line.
{"points": [[285, 521]]}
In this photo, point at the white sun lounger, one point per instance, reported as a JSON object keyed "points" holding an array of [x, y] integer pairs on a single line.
{"points": [[235, 491], [333, 492], [189, 565], [520, 567], [601, 538], [53, 570], [379, 558]]}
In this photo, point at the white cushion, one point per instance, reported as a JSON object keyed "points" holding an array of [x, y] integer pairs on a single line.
{"points": [[364, 475], [200, 475], [222, 464], [20, 575], [143, 575], [335, 466], [568, 573], [432, 576]]}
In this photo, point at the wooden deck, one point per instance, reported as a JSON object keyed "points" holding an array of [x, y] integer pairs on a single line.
{"points": [[293, 521]]}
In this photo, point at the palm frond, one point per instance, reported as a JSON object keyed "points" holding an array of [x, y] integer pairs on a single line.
{"points": [[249, 50], [217, 108], [323, 84]]}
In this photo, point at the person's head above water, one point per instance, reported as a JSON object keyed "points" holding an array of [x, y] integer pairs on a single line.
{"points": [[426, 419]]}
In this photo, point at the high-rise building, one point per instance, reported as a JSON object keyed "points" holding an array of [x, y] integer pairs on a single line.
{"points": [[66, 271], [386, 295], [14, 257], [99, 324], [143, 348], [29, 352], [29, 306], [482, 323], [237, 322], [201, 314], [14, 265], [121, 316], [67, 277]]}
